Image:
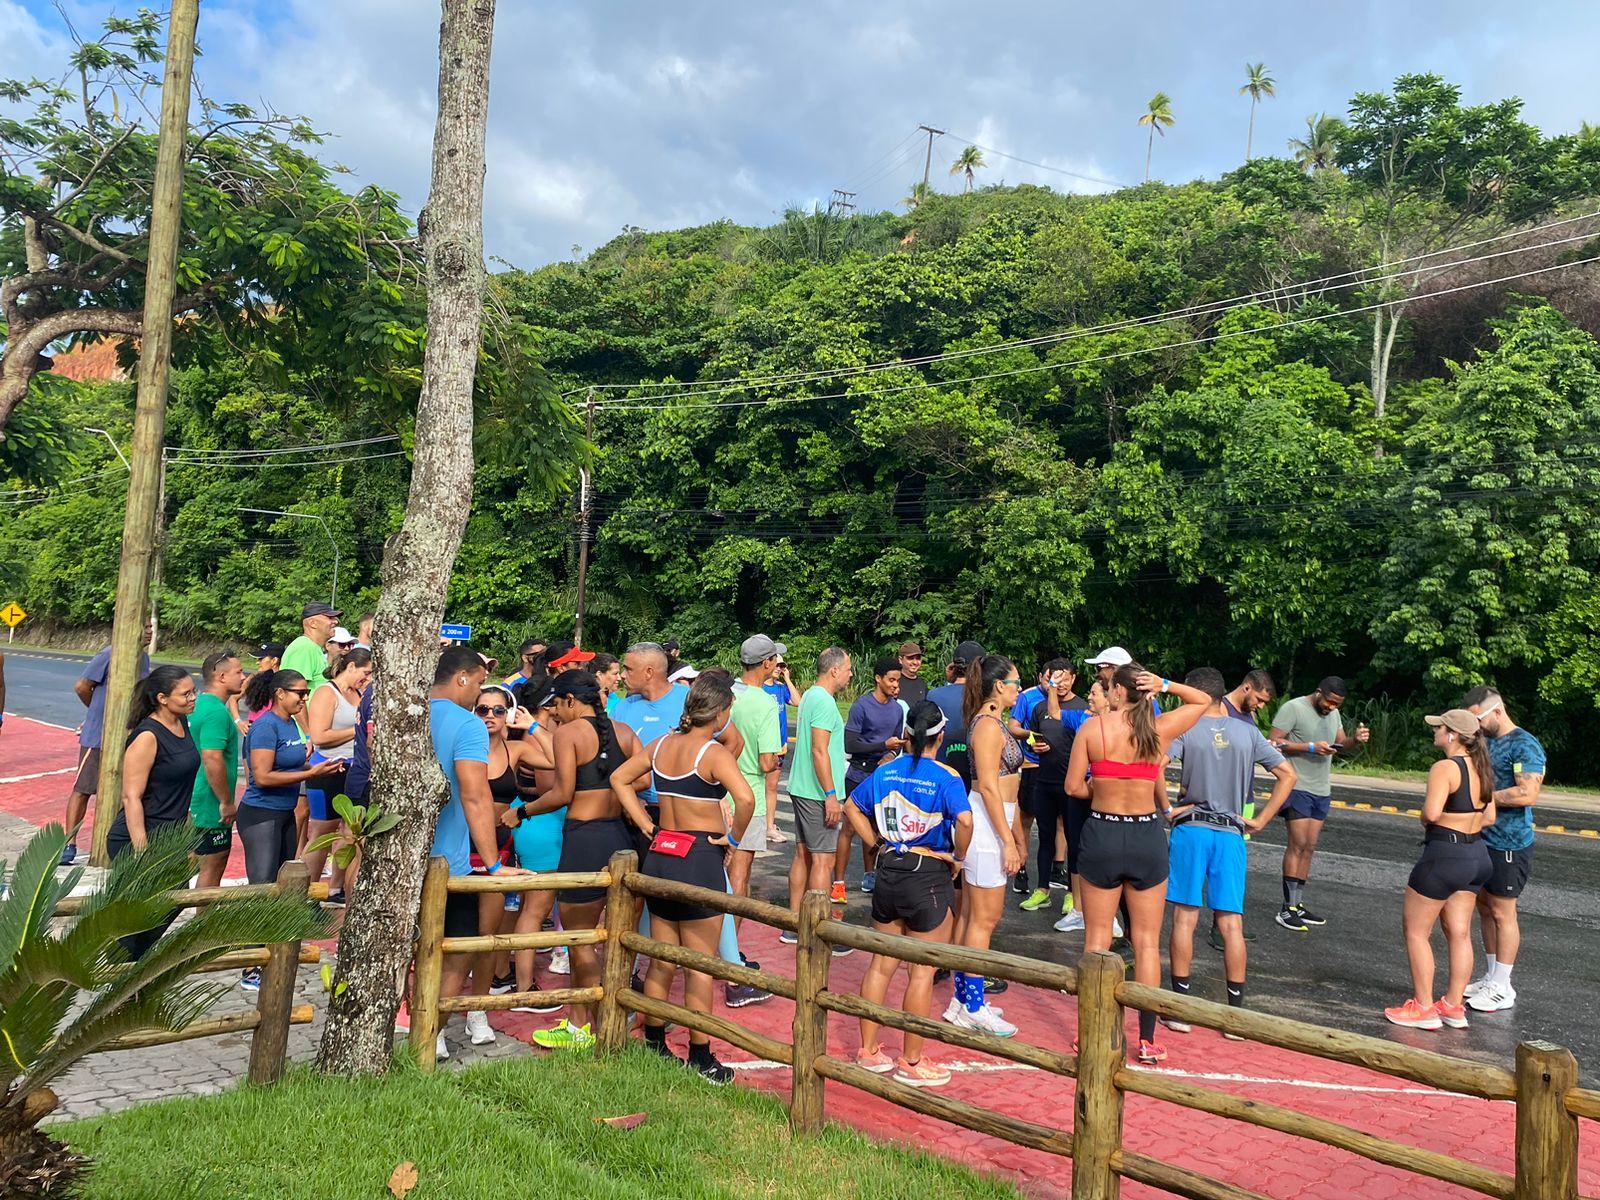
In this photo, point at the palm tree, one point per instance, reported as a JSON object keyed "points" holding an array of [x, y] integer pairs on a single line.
{"points": [[918, 195], [1319, 149], [1158, 115], [44, 975], [1258, 83], [1588, 131], [970, 160]]}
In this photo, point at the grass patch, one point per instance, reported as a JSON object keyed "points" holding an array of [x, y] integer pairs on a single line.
{"points": [[523, 1127]]}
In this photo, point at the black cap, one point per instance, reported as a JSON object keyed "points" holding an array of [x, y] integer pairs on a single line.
{"points": [[670, 645], [320, 608], [268, 650], [968, 652]]}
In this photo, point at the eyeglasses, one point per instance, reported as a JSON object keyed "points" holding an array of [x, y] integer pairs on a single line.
{"points": [[301, 692], [491, 710], [1012, 682]]}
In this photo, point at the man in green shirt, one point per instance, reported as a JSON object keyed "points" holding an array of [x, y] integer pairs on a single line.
{"points": [[1308, 729], [216, 736], [755, 715], [308, 653], [817, 776]]}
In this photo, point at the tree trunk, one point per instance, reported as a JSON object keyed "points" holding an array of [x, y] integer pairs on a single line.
{"points": [[1149, 148], [376, 943], [1250, 137]]}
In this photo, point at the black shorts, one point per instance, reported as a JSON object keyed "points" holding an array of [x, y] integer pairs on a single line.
{"points": [[213, 841], [1447, 867], [700, 867], [913, 888], [1509, 871], [588, 846], [1077, 818], [1029, 777], [461, 914], [1120, 849]]}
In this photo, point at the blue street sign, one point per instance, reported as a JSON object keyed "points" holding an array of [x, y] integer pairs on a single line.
{"points": [[456, 633]]}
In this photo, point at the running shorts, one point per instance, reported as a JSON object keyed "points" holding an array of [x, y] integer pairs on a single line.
{"points": [[538, 840], [985, 861], [1510, 871], [912, 888], [684, 857], [588, 846], [1207, 868], [461, 914], [1302, 805], [1120, 849], [810, 822], [755, 835], [320, 797], [1447, 867], [213, 841], [87, 782]]}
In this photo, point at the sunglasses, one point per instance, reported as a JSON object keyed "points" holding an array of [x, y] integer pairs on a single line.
{"points": [[1012, 682], [301, 692], [491, 710]]}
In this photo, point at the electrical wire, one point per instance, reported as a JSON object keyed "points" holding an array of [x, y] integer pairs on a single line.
{"points": [[287, 466], [1042, 166], [224, 453]]}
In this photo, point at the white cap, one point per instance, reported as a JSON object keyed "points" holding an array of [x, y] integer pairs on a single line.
{"points": [[683, 674], [342, 637], [1111, 656]]}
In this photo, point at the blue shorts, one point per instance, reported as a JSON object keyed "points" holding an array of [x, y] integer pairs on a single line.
{"points": [[538, 840], [1206, 859], [320, 796], [1302, 804]]}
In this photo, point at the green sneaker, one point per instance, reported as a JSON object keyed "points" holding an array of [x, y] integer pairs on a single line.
{"points": [[564, 1036], [1036, 900], [1066, 905]]}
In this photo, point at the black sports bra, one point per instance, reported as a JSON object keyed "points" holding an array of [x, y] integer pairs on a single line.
{"points": [[595, 775], [504, 787], [688, 786], [1460, 800]]}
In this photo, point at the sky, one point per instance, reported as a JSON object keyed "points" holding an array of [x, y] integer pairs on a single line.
{"points": [[608, 113]]}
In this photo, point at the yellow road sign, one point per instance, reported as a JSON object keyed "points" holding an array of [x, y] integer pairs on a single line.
{"points": [[13, 615]]}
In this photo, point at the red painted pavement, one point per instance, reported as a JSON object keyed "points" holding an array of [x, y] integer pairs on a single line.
{"points": [[1277, 1165]]}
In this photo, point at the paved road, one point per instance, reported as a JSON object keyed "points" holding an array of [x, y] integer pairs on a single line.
{"points": [[39, 684]]}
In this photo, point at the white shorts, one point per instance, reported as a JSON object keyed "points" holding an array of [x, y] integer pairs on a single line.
{"points": [[985, 862]]}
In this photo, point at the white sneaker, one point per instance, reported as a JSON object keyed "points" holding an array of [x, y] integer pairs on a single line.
{"points": [[985, 1020], [561, 962], [1116, 927], [1493, 997], [1177, 1026], [1476, 986], [953, 1011], [1071, 923], [478, 1029], [440, 1050]]}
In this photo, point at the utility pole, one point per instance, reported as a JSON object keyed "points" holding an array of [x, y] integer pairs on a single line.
{"points": [[841, 201], [585, 528], [159, 550], [150, 415], [927, 163]]}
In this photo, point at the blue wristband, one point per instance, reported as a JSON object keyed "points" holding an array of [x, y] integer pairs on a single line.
{"points": [[493, 867]]}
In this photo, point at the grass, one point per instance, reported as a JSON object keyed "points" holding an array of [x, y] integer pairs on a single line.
{"points": [[525, 1127]]}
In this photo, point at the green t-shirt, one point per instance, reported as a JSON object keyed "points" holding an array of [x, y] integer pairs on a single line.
{"points": [[212, 728], [310, 659], [1301, 722], [755, 715], [818, 710]]}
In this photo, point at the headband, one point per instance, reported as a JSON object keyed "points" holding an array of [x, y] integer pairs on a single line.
{"points": [[939, 728]]}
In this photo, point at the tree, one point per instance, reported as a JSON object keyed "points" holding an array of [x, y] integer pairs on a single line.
{"points": [[968, 163], [375, 944], [271, 246], [1157, 115], [1319, 149], [918, 194], [1258, 83]]}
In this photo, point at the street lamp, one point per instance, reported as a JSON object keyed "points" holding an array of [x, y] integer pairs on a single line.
{"points": [[278, 512], [113, 441]]}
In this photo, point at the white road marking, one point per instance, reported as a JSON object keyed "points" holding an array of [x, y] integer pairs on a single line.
{"points": [[39, 775]]}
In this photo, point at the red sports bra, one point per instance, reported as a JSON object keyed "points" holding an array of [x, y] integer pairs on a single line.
{"points": [[1110, 768]]}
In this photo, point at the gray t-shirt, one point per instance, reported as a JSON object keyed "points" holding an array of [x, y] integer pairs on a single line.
{"points": [[94, 721], [1219, 757], [1301, 722]]}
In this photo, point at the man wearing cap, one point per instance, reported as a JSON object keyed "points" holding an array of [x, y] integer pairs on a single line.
{"points": [[1308, 728], [912, 690], [1105, 664], [950, 698], [308, 653], [755, 715]]}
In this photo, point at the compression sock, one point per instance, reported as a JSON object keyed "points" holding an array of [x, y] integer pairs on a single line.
{"points": [[974, 993], [1147, 1026], [1294, 891], [700, 1054], [1235, 994], [962, 986], [1180, 984], [655, 1036], [1502, 973]]}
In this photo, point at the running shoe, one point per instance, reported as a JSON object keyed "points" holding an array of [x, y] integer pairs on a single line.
{"points": [[741, 995], [543, 1009], [1454, 1016], [478, 1029], [1072, 922], [1059, 879], [1151, 1052], [1413, 1016], [993, 987], [776, 835], [1177, 1026], [250, 981], [869, 881], [337, 899], [503, 984], [751, 963], [788, 938], [985, 1020], [659, 1045], [1309, 917], [564, 1035], [1019, 883], [952, 1010], [920, 1074], [838, 895], [69, 854], [842, 951], [1493, 998], [513, 902], [1234, 1037], [1289, 918], [441, 1052], [708, 1068], [561, 961], [1476, 986], [877, 1061], [1116, 928], [1036, 900], [941, 974]]}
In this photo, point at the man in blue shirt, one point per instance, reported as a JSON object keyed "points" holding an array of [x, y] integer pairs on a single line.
{"points": [[949, 697], [871, 734], [91, 690], [1021, 727], [1519, 763]]}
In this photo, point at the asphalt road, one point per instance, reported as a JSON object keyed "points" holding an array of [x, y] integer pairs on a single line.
{"points": [[39, 685]]}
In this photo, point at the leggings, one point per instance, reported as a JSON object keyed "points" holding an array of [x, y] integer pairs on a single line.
{"points": [[269, 838], [1049, 809]]}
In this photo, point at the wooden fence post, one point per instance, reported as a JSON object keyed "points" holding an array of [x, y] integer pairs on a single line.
{"points": [[270, 1041], [429, 962], [616, 961], [1102, 1052], [1547, 1134], [811, 959]]}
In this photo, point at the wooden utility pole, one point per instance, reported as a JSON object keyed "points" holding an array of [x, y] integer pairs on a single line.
{"points": [[842, 201], [150, 416], [585, 529], [927, 163]]}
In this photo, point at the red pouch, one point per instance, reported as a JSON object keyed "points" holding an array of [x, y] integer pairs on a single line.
{"points": [[667, 841]]}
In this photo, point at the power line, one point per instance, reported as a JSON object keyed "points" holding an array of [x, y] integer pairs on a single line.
{"points": [[1042, 166], [269, 453], [857, 180], [288, 466]]}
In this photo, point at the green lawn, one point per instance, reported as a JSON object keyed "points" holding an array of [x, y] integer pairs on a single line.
{"points": [[524, 1127]]}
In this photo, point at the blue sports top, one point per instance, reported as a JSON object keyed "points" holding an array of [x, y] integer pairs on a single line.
{"points": [[914, 802]]}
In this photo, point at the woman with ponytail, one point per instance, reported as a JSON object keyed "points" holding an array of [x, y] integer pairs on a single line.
{"points": [[1454, 866], [914, 811], [1116, 764]]}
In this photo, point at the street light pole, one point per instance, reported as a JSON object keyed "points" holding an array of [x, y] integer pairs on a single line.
{"points": [[585, 531], [278, 512], [115, 448]]}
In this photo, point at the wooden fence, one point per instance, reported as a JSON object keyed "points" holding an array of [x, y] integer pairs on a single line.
{"points": [[275, 1011], [1543, 1083]]}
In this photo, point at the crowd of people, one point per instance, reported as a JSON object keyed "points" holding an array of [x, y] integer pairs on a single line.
{"points": [[983, 786]]}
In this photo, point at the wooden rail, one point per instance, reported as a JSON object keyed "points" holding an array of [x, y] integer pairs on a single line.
{"points": [[550, 881], [510, 1000], [244, 1022], [1180, 1181], [1584, 1102], [738, 1035], [709, 964], [985, 1043], [542, 940], [197, 897]]}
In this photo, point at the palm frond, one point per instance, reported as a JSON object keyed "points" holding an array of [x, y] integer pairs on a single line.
{"points": [[28, 1027], [32, 891], [85, 954], [160, 867]]}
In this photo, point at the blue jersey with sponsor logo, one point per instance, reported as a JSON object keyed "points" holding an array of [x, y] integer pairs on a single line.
{"points": [[1512, 754], [914, 802]]}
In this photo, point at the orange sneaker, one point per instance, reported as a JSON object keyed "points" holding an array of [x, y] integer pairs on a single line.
{"points": [[1151, 1052], [838, 895], [921, 1074], [1453, 1015], [1414, 1016], [875, 1061]]}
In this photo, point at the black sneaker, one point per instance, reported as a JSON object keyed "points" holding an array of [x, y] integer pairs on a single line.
{"points": [[1289, 918], [705, 1065], [1309, 917], [1019, 883], [842, 951], [749, 962], [659, 1045], [503, 984], [738, 995], [940, 975], [337, 899], [993, 987], [1059, 879]]}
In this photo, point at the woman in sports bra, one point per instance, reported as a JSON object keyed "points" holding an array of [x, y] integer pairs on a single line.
{"points": [[1454, 866], [1116, 763], [691, 772], [331, 726], [587, 748], [996, 851]]}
